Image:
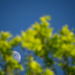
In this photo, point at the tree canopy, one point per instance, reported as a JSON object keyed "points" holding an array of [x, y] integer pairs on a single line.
{"points": [[53, 48]]}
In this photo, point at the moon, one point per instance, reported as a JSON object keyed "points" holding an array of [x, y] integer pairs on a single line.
{"points": [[16, 56]]}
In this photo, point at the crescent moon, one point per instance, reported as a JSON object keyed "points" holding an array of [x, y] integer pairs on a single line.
{"points": [[16, 56]]}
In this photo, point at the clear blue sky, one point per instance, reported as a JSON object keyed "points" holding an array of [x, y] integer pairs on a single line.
{"points": [[17, 15]]}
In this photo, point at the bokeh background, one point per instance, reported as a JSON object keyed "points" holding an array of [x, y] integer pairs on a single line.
{"points": [[18, 15]]}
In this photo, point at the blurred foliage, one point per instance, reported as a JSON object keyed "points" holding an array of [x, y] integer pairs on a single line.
{"points": [[54, 49]]}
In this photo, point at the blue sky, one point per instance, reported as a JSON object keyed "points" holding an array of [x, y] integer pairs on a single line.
{"points": [[18, 15]]}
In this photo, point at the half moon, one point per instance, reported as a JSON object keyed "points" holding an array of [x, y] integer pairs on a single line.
{"points": [[16, 56]]}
